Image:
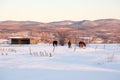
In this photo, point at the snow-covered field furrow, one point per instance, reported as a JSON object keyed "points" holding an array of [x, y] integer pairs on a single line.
{"points": [[26, 62]]}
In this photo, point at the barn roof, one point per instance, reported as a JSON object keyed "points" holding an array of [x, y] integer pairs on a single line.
{"points": [[17, 37]]}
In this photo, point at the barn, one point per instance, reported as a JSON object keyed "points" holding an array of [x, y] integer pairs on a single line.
{"points": [[21, 40]]}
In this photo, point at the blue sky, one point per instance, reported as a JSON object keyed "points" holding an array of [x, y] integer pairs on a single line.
{"points": [[57, 10]]}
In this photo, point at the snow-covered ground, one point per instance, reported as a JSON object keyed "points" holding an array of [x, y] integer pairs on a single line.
{"points": [[43, 62]]}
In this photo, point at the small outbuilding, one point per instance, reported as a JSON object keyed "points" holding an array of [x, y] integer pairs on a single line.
{"points": [[21, 40]]}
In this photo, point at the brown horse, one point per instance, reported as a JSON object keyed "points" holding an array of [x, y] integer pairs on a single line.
{"points": [[69, 44], [55, 43], [82, 44]]}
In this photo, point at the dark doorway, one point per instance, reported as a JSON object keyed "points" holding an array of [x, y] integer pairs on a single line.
{"points": [[27, 41]]}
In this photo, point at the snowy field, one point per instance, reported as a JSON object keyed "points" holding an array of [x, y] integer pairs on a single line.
{"points": [[43, 62]]}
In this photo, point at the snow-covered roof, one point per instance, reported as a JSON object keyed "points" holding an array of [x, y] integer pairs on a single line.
{"points": [[17, 37], [86, 37]]}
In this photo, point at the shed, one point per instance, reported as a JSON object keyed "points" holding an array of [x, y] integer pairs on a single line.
{"points": [[21, 40]]}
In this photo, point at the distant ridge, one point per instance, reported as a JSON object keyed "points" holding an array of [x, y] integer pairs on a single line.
{"points": [[66, 22], [106, 29]]}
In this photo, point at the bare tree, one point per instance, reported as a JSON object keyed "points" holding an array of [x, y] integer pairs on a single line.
{"points": [[62, 37]]}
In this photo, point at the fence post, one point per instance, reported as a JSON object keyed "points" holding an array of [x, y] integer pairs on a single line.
{"points": [[30, 50], [53, 49]]}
